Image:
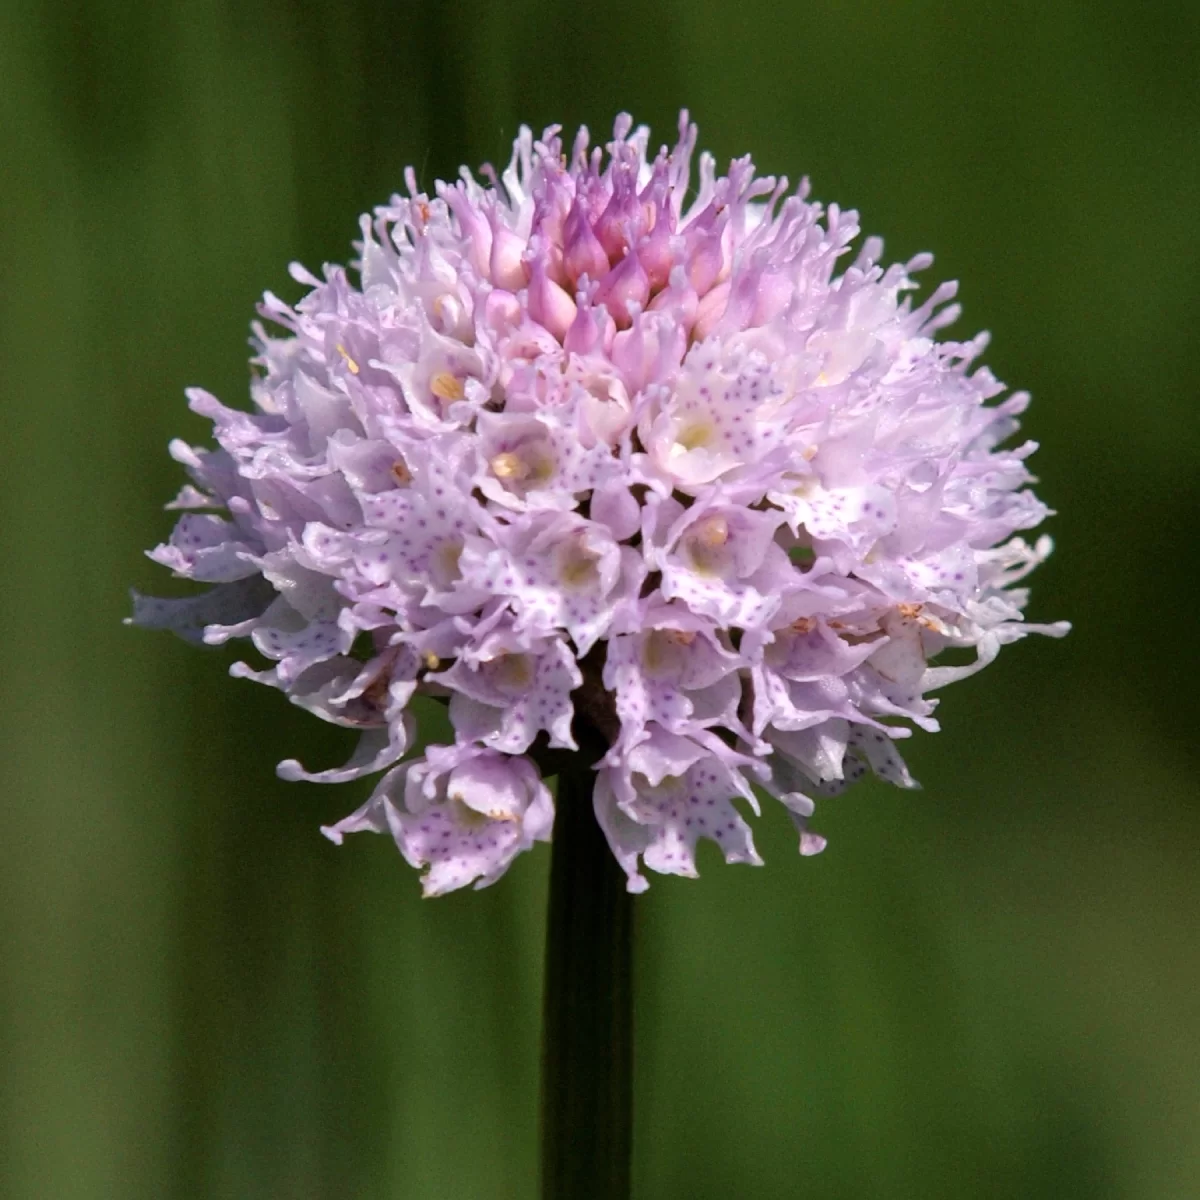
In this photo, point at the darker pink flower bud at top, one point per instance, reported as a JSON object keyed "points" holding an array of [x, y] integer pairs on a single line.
{"points": [[582, 253], [549, 304], [707, 262], [679, 298], [655, 256], [624, 288], [507, 266], [625, 219], [591, 332], [711, 309]]}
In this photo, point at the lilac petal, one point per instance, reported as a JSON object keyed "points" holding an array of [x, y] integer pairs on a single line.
{"points": [[626, 838], [613, 506], [189, 617], [377, 749], [800, 809], [373, 817], [880, 752], [203, 547], [191, 497]]}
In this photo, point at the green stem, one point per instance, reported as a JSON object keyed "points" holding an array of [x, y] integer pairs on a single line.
{"points": [[587, 1018]]}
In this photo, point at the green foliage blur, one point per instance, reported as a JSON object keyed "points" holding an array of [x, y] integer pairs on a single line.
{"points": [[986, 989]]}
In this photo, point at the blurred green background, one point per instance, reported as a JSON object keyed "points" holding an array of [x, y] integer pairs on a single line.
{"points": [[987, 989]]}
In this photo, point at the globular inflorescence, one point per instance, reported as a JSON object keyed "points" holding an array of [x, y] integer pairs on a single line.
{"points": [[613, 462]]}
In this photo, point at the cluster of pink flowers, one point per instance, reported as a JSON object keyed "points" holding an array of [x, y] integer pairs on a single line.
{"points": [[599, 444]]}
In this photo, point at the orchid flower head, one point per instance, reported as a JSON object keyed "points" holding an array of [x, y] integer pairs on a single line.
{"points": [[608, 450]]}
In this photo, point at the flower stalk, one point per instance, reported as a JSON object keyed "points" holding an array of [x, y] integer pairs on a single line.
{"points": [[587, 1022]]}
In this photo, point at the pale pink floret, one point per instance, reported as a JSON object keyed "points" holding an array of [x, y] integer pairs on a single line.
{"points": [[601, 446], [462, 814]]}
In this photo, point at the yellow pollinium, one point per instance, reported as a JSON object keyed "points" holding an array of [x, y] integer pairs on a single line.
{"points": [[659, 648], [712, 532], [530, 464], [577, 567], [448, 555], [513, 671], [509, 466], [351, 365], [447, 387]]}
